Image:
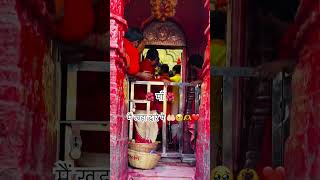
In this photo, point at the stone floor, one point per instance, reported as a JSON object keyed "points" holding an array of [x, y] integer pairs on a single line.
{"points": [[165, 170]]}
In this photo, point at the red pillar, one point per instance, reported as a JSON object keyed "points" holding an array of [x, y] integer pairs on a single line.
{"points": [[27, 97], [118, 109], [203, 139]]}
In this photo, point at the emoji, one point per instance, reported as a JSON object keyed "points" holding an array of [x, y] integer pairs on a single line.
{"points": [[248, 174], [195, 117], [270, 174], [179, 117], [170, 117], [221, 173], [187, 117]]}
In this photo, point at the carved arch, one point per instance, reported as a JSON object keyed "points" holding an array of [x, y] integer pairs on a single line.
{"points": [[164, 34]]}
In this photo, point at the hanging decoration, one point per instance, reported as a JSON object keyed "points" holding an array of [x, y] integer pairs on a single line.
{"points": [[163, 9], [179, 61]]}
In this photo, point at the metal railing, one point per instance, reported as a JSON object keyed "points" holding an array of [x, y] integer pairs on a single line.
{"points": [[71, 125], [229, 74], [181, 110], [280, 102]]}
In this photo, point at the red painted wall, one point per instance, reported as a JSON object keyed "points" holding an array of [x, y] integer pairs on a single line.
{"points": [[203, 139], [302, 156], [27, 136]]}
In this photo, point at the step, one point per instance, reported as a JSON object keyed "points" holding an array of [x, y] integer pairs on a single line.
{"points": [[164, 170], [159, 178]]}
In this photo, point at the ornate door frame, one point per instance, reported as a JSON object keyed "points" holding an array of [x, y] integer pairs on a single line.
{"points": [[167, 33]]}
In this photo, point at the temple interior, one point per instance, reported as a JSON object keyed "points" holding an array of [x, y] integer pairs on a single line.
{"points": [[176, 39]]}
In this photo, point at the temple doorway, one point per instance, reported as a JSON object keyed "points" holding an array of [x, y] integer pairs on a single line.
{"points": [[175, 37], [170, 42]]}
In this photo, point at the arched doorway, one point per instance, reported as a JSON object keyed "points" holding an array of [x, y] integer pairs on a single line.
{"points": [[170, 41]]}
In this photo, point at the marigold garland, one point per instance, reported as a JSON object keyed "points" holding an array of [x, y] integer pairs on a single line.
{"points": [[163, 9]]}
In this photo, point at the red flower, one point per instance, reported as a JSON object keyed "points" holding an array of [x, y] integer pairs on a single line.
{"points": [[170, 96], [150, 96]]}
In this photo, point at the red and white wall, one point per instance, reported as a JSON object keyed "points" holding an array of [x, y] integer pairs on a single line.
{"points": [[27, 101]]}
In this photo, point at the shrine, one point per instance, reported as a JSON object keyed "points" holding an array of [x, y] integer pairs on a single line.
{"points": [[181, 147], [159, 89]]}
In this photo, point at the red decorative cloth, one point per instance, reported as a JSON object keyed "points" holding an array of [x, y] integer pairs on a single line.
{"points": [[140, 139], [134, 57]]}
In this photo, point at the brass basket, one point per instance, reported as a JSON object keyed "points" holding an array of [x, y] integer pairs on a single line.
{"points": [[143, 160]]}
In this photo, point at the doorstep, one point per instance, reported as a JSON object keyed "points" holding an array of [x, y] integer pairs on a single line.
{"points": [[163, 171]]}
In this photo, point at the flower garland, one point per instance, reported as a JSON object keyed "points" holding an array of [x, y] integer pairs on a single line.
{"points": [[163, 9]]}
